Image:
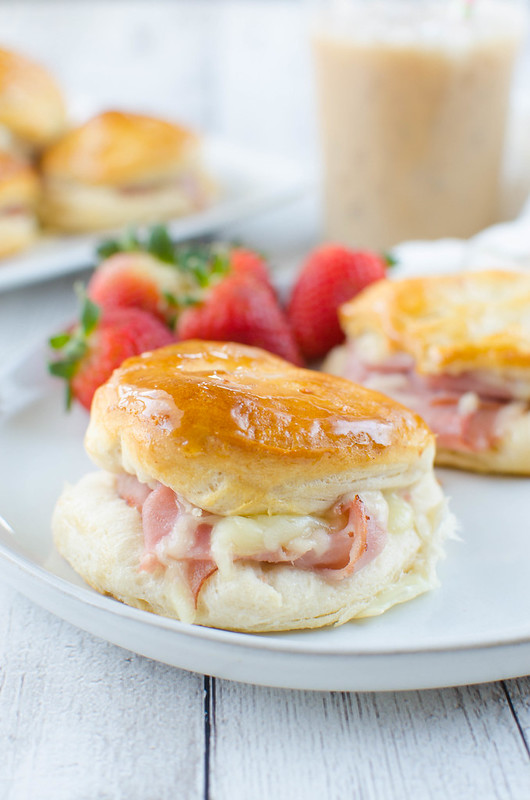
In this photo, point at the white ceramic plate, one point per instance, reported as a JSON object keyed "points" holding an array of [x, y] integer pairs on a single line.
{"points": [[249, 183], [476, 627]]}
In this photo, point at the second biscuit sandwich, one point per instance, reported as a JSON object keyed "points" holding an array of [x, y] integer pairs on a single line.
{"points": [[456, 349], [121, 168]]}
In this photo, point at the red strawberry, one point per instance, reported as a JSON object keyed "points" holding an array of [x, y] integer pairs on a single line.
{"points": [[329, 277], [247, 262], [241, 309], [93, 349], [167, 278], [137, 280]]}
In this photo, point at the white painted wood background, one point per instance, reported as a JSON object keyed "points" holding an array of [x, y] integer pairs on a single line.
{"points": [[82, 719]]}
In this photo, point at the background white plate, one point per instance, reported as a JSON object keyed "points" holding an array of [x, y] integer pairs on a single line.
{"points": [[476, 627], [249, 183]]}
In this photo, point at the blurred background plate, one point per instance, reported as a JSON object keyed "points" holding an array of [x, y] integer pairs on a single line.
{"points": [[249, 182]]}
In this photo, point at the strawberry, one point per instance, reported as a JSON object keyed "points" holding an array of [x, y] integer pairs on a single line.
{"points": [[241, 309], [93, 349], [329, 277], [138, 280], [163, 278], [247, 262]]}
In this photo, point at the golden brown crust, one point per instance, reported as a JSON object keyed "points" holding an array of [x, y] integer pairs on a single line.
{"points": [[19, 183], [116, 148], [237, 430], [451, 323], [31, 103]]}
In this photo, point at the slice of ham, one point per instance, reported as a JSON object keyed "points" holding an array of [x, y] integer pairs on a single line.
{"points": [[373, 538], [160, 512], [473, 427], [197, 572], [467, 382], [187, 183], [474, 432], [355, 537], [349, 548], [131, 490]]}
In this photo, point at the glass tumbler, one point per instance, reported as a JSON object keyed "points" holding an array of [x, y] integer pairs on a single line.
{"points": [[413, 99]]}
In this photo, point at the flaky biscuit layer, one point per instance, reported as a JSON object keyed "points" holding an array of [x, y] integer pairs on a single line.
{"points": [[472, 321]]}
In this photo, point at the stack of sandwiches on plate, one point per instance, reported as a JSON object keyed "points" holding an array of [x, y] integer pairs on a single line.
{"points": [[117, 168]]}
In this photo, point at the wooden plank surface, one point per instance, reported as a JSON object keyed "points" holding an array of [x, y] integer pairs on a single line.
{"points": [[518, 695], [82, 718], [453, 743]]}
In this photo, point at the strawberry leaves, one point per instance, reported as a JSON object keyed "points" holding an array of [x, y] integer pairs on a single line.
{"points": [[389, 258], [74, 344], [160, 244], [159, 283], [156, 241], [129, 242], [204, 261]]}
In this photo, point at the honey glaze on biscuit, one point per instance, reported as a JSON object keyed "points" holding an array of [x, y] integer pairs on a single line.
{"points": [[156, 405], [448, 323], [208, 395]]}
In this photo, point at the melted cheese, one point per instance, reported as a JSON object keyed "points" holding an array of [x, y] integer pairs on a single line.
{"points": [[247, 536], [397, 512]]}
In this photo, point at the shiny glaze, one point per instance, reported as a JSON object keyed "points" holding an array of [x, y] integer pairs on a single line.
{"points": [[449, 324], [207, 395]]}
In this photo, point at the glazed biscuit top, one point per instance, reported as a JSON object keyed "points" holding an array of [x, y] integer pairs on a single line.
{"points": [[116, 148], [249, 399], [31, 103], [191, 412], [448, 324]]}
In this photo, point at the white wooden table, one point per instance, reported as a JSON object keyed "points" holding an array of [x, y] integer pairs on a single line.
{"points": [[80, 718]]}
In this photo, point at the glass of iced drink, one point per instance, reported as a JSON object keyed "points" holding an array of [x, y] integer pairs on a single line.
{"points": [[413, 98]]}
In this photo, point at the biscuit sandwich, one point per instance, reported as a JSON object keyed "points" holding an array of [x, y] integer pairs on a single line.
{"points": [[121, 168], [32, 108], [456, 349], [238, 491], [19, 194]]}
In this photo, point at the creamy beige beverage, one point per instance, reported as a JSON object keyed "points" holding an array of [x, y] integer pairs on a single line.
{"points": [[413, 101]]}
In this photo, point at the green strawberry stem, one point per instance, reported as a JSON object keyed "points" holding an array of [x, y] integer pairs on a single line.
{"points": [[389, 258], [74, 344], [204, 261]]}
